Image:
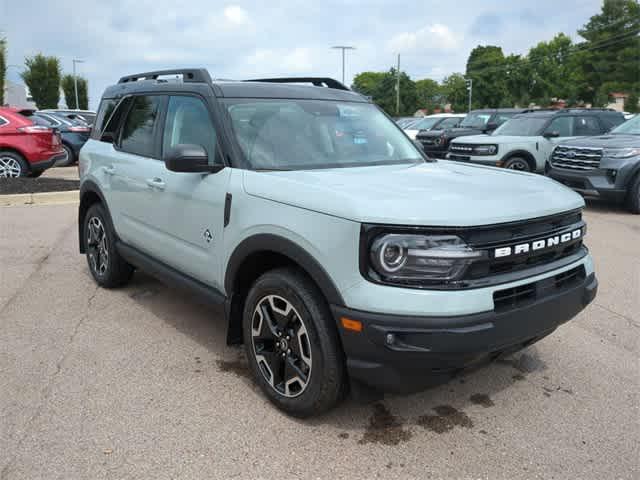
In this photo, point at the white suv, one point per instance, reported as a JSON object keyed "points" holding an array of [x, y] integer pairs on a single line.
{"points": [[526, 141]]}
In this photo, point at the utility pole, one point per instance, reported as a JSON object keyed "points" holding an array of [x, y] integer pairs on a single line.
{"points": [[398, 87], [75, 81], [343, 48], [469, 82]]}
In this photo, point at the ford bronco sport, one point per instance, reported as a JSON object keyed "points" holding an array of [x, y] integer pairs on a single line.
{"points": [[345, 258], [435, 142], [525, 142]]}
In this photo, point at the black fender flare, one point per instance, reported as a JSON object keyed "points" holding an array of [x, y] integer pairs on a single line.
{"points": [[522, 153], [89, 187], [280, 245]]}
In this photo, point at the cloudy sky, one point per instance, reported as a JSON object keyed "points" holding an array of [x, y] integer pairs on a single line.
{"points": [[244, 39]]}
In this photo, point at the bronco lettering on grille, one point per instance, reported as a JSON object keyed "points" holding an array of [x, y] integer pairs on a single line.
{"points": [[537, 244]]}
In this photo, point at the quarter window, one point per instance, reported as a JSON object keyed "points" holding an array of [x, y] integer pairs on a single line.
{"points": [[188, 122], [140, 126]]}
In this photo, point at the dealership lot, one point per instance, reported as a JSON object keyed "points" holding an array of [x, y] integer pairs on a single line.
{"points": [[138, 383]]}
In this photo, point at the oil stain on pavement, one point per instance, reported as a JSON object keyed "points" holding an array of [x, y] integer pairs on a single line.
{"points": [[482, 399], [384, 428], [447, 419]]}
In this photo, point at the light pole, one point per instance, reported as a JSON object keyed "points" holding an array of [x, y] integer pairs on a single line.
{"points": [[469, 82], [343, 48], [75, 81]]}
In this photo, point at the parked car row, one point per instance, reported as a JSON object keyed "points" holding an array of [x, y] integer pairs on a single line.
{"points": [[594, 151], [32, 141]]}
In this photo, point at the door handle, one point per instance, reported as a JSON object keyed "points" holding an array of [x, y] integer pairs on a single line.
{"points": [[156, 183], [109, 170]]}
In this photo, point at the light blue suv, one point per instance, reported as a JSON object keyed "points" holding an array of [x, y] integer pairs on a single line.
{"points": [[346, 259]]}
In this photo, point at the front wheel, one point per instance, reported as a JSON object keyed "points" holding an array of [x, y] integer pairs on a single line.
{"points": [[517, 163], [633, 196], [292, 344]]}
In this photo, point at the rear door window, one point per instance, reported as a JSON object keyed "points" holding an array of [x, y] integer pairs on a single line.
{"points": [[586, 125], [562, 125], [141, 125]]}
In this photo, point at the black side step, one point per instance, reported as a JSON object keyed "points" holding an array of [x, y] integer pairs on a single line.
{"points": [[169, 275]]}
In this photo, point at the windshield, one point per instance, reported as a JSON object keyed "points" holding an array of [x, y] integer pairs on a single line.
{"points": [[289, 134], [521, 126], [476, 120], [424, 124], [630, 127]]}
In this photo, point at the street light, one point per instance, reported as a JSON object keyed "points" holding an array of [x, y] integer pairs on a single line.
{"points": [[469, 83], [343, 48], [75, 80]]}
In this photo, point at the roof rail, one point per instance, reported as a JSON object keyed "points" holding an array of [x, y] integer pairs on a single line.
{"points": [[316, 81], [199, 75]]}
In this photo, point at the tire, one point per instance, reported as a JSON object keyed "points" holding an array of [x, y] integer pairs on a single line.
{"points": [[517, 163], [12, 165], [633, 196], [107, 267], [71, 158], [314, 379]]}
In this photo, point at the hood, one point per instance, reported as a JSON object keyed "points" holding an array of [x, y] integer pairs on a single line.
{"points": [[497, 139], [604, 141], [439, 193], [453, 132]]}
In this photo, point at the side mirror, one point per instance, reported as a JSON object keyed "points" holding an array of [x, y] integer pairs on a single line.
{"points": [[418, 145], [553, 134], [490, 126], [189, 159]]}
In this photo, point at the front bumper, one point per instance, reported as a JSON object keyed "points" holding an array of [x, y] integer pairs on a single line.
{"points": [[404, 354], [606, 183]]}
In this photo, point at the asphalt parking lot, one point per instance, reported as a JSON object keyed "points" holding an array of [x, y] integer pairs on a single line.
{"points": [[138, 383]]}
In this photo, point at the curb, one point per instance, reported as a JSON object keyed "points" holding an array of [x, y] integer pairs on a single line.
{"points": [[45, 198]]}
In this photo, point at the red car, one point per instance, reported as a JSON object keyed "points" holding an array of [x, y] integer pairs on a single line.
{"points": [[26, 149]]}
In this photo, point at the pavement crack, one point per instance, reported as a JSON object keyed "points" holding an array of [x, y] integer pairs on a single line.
{"points": [[48, 388], [40, 263], [629, 320]]}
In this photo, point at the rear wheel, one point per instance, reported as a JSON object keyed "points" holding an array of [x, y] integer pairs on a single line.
{"points": [[292, 344], [107, 267], [633, 195], [12, 165], [517, 163], [69, 158]]}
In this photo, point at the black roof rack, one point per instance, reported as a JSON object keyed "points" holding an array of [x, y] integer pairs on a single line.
{"points": [[196, 75], [317, 81]]}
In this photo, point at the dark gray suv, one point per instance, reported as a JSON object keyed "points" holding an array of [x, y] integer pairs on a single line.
{"points": [[606, 166]]}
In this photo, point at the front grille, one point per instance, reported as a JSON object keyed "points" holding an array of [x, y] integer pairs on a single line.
{"points": [[576, 158], [461, 148], [522, 295], [509, 235]]}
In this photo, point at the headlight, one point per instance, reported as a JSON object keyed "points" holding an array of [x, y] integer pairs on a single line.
{"points": [[409, 258], [485, 150], [620, 152]]}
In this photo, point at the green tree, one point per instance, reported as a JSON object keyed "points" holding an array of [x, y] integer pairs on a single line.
{"points": [[631, 103], [3, 67], [516, 76], [428, 94], [367, 83], [552, 72], [611, 52], [486, 67], [42, 76], [454, 90], [68, 87], [381, 87]]}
